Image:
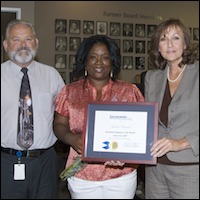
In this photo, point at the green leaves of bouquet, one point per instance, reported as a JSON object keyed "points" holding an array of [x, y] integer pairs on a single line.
{"points": [[74, 168]]}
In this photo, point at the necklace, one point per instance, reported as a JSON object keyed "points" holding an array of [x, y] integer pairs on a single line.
{"points": [[172, 81]]}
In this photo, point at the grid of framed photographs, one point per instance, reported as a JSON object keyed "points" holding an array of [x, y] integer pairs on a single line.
{"points": [[133, 40], [195, 37]]}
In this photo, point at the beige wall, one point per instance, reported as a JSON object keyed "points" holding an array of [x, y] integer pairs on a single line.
{"points": [[44, 13], [27, 8]]}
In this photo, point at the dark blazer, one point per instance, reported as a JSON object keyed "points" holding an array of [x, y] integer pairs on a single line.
{"points": [[183, 111]]}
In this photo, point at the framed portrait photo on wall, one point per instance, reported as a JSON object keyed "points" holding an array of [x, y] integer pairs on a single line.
{"points": [[127, 62], [140, 30], [88, 27], [127, 29], [61, 43], [74, 43], [140, 46], [60, 61], [74, 26], [101, 28], [150, 30], [127, 46], [196, 34], [60, 25], [118, 42], [140, 62], [72, 61], [115, 29]]}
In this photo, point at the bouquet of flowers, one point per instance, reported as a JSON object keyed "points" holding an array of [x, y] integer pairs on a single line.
{"points": [[75, 167]]}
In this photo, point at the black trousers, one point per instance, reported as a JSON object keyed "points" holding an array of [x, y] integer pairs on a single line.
{"points": [[41, 180]]}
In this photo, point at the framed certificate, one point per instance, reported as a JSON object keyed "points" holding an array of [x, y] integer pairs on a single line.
{"points": [[120, 132]]}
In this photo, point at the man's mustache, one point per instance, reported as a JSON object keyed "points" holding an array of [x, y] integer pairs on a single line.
{"points": [[23, 48]]}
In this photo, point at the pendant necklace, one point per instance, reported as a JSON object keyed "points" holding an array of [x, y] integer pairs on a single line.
{"points": [[172, 81]]}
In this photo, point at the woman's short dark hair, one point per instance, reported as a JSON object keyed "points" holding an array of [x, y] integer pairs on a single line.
{"points": [[189, 54], [85, 47]]}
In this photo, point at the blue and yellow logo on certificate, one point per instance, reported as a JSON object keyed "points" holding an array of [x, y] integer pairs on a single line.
{"points": [[110, 145]]}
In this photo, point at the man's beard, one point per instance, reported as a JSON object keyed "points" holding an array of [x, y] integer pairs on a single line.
{"points": [[23, 55]]}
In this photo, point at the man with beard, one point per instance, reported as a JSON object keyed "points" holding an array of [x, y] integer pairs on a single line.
{"points": [[27, 172]]}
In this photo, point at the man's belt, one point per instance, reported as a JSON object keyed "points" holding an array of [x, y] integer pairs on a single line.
{"points": [[27, 153]]}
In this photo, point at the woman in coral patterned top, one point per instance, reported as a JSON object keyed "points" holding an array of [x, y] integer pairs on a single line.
{"points": [[98, 63]]}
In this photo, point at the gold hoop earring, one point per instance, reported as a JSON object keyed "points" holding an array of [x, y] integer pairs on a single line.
{"points": [[86, 73]]}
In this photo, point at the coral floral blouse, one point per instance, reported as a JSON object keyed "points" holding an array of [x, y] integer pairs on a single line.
{"points": [[72, 102]]}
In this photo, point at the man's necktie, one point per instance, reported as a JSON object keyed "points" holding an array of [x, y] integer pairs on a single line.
{"points": [[25, 119]]}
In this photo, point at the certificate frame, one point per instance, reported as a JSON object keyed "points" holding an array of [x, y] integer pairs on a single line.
{"points": [[90, 151]]}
